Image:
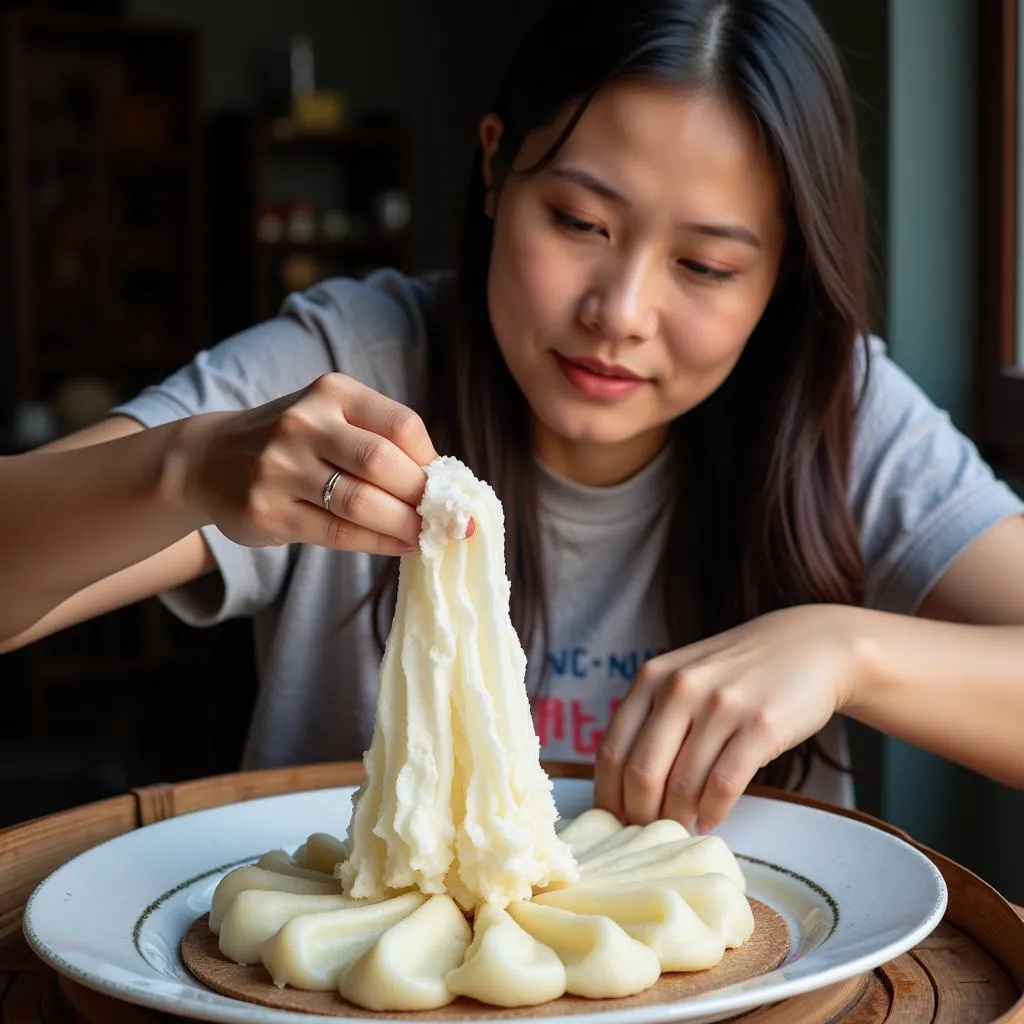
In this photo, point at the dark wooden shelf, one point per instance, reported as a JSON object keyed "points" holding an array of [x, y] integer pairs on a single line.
{"points": [[354, 245], [252, 165], [100, 140], [71, 362], [67, 24], [104, 254], [356, 141], [173, 163]]}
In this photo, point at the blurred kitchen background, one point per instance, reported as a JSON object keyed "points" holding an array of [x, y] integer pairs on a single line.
{"points": [[170, 169]]}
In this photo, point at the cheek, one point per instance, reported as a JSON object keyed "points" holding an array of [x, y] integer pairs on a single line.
{"points": [[709, 335], [532, 287]]}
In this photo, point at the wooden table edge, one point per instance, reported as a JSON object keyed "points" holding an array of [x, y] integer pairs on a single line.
{"points": [[29, 851]]}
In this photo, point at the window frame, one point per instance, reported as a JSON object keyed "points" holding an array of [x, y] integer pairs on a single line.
{"points": [[999, 391]]}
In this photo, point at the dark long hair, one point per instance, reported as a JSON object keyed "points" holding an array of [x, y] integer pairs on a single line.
{"points": [[769, 450]]}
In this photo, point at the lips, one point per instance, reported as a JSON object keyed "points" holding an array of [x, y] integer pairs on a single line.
{"points": [[602, 369], [599, 381]]}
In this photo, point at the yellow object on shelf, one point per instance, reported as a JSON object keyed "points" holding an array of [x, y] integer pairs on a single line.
{"points": [[319, 111]]}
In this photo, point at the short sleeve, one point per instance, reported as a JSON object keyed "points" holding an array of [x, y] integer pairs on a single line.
{"points": [[370, 329], [920, 491]]}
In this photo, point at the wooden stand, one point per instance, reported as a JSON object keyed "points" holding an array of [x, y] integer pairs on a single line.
{"points": [[970, 970], [101, 293], [100, 230], [260, 172]]}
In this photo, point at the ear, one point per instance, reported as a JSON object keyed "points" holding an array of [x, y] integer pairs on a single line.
{"points": [[491, 130]]}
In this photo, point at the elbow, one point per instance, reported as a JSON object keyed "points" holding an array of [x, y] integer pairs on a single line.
{"points": [[17, 634], [1014, 778], [13, 643]]}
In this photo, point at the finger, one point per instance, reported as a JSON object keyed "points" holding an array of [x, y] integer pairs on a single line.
{"points": [[730, 775], [376, 459], [315, 526], [622, 731], [364, 504], [694, 762], [369, 409], [650, 761]]}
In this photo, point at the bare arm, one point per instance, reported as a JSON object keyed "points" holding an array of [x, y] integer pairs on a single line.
{"points": [[956, 686], [698, 722], [85, 532], [112, 514]]}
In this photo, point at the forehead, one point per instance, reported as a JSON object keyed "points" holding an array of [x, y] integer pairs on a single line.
{"points": [[687, 152]]}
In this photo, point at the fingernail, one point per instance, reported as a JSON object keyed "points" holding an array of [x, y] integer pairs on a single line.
{"points": [[704, 827], [470, 528], [408, 549]]}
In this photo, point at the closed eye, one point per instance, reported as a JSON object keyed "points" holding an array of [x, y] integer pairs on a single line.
{"points": [[575, 224], [710, 274]]}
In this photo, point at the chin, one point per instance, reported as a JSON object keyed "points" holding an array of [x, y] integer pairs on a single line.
{"points": [[591, 429]]}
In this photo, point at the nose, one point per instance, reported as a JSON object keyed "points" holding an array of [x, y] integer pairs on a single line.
{"points": [[622, 304]]}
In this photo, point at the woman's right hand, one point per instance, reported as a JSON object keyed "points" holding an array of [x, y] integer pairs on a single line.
{"points": [[259, 475]]}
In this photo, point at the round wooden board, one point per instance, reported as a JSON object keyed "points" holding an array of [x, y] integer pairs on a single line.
{"points": [[762, 952]]}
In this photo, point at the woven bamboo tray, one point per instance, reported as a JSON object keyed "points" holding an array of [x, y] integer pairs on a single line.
{"points": [[970, 970]]}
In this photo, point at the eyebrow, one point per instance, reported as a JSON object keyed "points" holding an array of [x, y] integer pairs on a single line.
{"points": [[734, 232]]}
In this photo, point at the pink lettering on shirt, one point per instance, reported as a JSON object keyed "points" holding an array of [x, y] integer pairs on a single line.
{"points": [[585, 738], [549, 719]]}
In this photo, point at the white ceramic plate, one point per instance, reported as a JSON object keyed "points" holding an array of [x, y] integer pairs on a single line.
{"points": [[113, 917]]}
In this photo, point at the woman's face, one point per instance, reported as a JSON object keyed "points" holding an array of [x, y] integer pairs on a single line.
{"points": [[626, 277]]}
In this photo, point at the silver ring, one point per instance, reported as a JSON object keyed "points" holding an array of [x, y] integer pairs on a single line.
{"points": [[328, 490]]}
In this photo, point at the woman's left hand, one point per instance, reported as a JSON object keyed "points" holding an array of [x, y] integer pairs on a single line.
{"points": [[700, 721]]}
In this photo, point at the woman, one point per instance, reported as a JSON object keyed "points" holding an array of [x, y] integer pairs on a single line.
{"points": [[730, 518]]}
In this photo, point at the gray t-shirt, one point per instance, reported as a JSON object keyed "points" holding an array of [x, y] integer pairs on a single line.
{"points": [[919, 492]]}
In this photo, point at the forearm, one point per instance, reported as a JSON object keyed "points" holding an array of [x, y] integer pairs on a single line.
{"points": [[69, 518], [956, 690]]}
